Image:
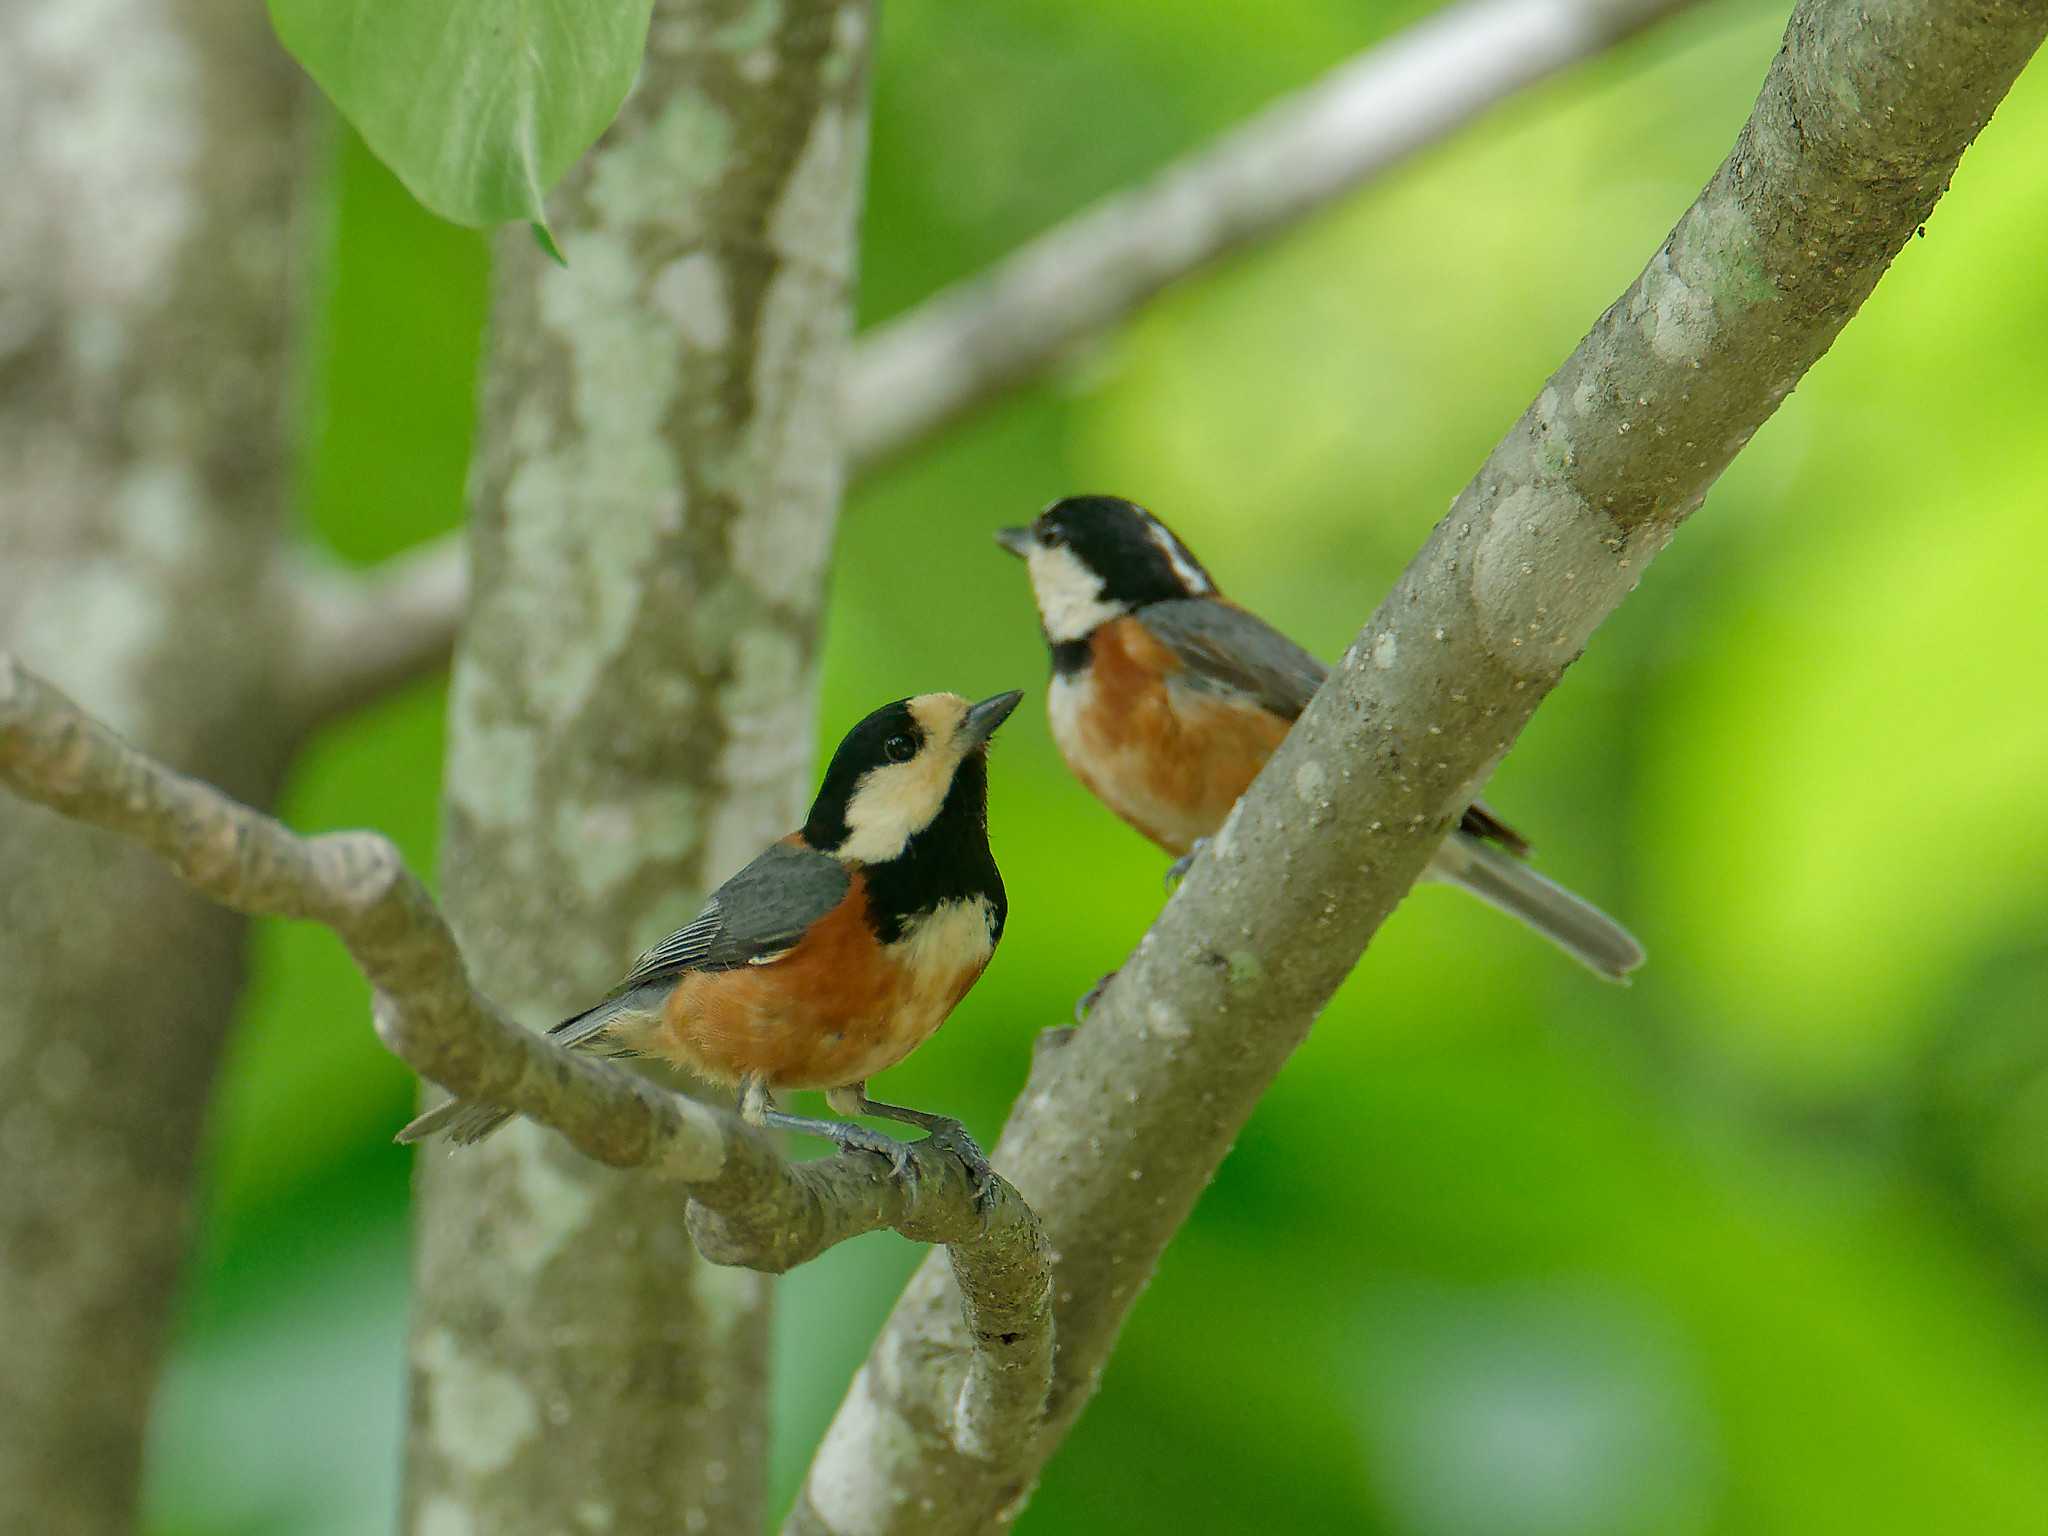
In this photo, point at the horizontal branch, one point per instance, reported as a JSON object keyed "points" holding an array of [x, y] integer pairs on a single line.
{"points": [[360, 634], [1862, 119], [750, 1207], [912, 378]]}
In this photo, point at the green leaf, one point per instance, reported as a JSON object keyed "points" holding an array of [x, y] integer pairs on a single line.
{"points": [[479, 106]]}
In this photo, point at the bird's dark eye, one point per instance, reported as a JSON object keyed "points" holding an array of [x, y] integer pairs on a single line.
{"points": [[899, 749], [1053, 538]]}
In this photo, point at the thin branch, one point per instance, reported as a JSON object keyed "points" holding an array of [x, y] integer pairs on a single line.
{"points": [[1862, 119], [912, 378], [749, 1206], [980, 338], [361, 634]]}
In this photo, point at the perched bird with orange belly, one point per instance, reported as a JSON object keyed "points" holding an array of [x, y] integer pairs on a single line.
{"points": [[834, 954], [1167, 699]]}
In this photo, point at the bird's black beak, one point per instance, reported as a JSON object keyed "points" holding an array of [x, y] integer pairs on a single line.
{"points": [[983, 718], [1018, 541]]}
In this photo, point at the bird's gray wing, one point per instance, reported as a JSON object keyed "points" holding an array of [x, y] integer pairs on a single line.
{"points": [[754, 917], [1229, 650], [1225, 648]]}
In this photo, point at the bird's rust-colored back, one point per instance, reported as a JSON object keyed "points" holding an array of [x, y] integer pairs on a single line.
{"points": [[837, 1008]]}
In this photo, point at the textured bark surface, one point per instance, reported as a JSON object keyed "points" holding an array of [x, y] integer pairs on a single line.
{"points": [[631, 719], [1860, 124], [143, 318]]}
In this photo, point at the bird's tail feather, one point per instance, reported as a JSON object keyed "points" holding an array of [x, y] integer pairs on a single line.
{"points": [[463, 1121], [467, 1121], [1575, 926]]}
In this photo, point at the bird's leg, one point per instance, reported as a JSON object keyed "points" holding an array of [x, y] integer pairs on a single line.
{"points": [[944, 1130], [1087, 1000], [1177, 871], [756, 1108]]}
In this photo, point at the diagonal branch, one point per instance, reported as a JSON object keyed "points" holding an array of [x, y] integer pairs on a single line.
{"points": [[962, 348], [749, 1206], [360, 634], [1860, 124]]}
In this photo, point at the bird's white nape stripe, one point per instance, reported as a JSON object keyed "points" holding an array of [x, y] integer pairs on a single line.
{"points": [[1070, 600], [1177, 556]]}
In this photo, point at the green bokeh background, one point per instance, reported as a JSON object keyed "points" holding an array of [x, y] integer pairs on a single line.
{"points": [[1757, 1245]]}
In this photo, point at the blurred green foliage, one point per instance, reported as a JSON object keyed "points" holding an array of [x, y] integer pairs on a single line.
{"points": [[1757, 1245]]}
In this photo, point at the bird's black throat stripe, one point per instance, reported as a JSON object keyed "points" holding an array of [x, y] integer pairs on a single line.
{"points": [[948, 861], [1068, 657]]}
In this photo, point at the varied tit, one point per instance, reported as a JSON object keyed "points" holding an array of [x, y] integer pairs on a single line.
{"points": [[1167, 698], [837, 952]]}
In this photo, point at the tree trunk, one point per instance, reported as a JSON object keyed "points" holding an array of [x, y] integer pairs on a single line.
{"points": [[631, 719], [143, 318]]}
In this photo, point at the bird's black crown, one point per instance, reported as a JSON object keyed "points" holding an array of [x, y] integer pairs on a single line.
{"points": [[1136, 556]]}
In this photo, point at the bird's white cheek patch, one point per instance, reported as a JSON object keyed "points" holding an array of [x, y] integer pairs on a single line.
{"points": [[1070, 600], [894, 804]]}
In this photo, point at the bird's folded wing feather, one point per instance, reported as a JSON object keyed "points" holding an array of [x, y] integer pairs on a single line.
{"points": [[1224, 648], [756, 916]]}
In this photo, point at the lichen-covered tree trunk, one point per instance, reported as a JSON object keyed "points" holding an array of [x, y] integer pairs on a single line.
{"points": [[143, 316], [631, 718]]}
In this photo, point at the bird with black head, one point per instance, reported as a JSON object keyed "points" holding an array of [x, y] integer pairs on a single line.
{"points": [[835, 953], [1167, 699]]}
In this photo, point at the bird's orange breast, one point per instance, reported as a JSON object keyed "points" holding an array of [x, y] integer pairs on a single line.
{"points": [[1169, 759], [835, 1009]]}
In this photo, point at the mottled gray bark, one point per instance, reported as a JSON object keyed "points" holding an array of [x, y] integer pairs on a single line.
{"points": [[1862, 119], [143, 317], [631, 719]]}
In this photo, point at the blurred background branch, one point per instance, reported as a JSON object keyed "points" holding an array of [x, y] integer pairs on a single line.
{"points": [[924, 371], [360, 634], [1124, 1125]]}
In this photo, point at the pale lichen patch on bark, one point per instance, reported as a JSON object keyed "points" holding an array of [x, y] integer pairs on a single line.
{"points": [[549, 1208], [1677, 317], [116, 152], [1715, 247], [820, 196], [493, 764], [682, 154], [691, 291], [610, 842], [479, 1416], [726, 1295], [857, 1494], [444, 1516], [87, 626], [1546, 570], [580, 555]]}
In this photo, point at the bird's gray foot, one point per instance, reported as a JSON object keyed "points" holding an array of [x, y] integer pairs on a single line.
{"points": [[1087, 1000], [944, 1133], [1177, 871]]}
